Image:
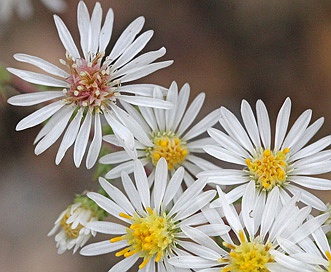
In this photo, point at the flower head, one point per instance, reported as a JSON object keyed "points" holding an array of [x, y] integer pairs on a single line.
{"points": [[72, 224], [254, 244], [168, 134], [91, 85], [286, 164], [149, 228]]}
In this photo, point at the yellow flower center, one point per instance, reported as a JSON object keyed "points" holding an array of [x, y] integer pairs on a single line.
{"points": [[247, 257], [269, 169], [70, 232], [328, 255], [170, 147], [90, 83], [149, 236]]}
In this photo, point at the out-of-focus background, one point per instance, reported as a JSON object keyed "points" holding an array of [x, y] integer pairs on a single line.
{"points": [[232, 50]]}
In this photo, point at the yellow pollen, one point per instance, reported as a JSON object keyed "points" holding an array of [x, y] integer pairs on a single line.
{"points": [[269, 169], [170, 147], [70, 232], [150, 236], [248, 256]]}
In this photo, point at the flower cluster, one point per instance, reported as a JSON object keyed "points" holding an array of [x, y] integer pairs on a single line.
{"points": [[174, 207]]}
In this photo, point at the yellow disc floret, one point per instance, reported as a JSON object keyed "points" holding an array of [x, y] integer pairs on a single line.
{"points": [[70, 232], [328, 255], [269, 169], [247, 257], [150, 236], [168, 146]]}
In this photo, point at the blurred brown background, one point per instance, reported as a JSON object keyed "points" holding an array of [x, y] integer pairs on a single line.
{"points": [[232, 50]]}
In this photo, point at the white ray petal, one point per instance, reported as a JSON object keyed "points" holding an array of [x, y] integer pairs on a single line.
{"points": [[95, 146], [106, 31], [127, 37], [39, 116], [66, 37], [82, 139], [42, 64], [30, 99], [37, 78], [263, 123], [250, 123], [282, 123], [69, 136]]}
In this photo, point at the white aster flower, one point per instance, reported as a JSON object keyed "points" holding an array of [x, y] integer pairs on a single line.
{"points": [[287, 164], [72, 222], [166, 133], [149, 226], [24, 8], [91, 86], [254, 247]]}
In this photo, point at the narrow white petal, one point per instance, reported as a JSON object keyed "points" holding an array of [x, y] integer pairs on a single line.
{"points": [[133, 111], [114, 157], [141, 60], [159, 113], [30, 99], [82, 139], [108, 205], [144, 70], [107, 227], [95, 28], [183, 98], [269, 211], [142, 89], [55, 132], [170, 114], [194, 205], [197, 145], [161, 179], [228, 142], [124, 136], [202, 126], [282, 123], [95, 146], [127, 37], [224, 154], [201, 163], [42, 64], [142, 183], [233, 127], [133, 49], [83, 22], [125, 264], [314, 168], [116, 171], [101, 248], [132, 125], [312, 148], [297, 130], [307, 198], [37, 78], [250, 123], [39, 116], [191, 113], [312, 182], [131, 191], [149, 116], [106, 31], [309, 133], [247, 207], [173, 186], [192, 262], [66, 38], [263, 123], [229, 212], [117, 196], [69, 136]]}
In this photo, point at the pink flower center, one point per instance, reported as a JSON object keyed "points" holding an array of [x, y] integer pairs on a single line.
{"points": [[89, 83]]}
